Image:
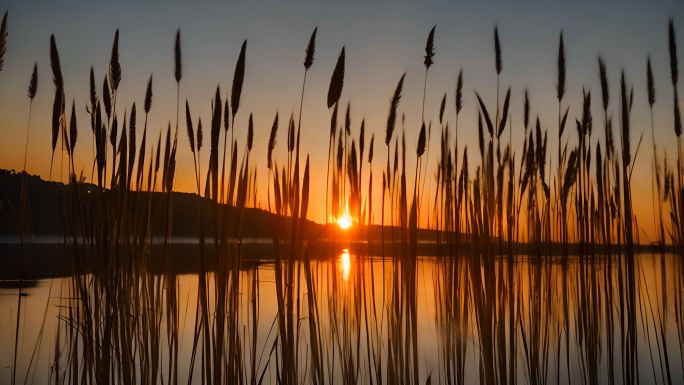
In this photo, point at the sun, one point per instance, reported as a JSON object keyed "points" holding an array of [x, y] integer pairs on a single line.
{"points": [[344, 221]]}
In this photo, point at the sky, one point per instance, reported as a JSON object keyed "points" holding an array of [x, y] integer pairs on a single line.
{"points": [[382, 40]]}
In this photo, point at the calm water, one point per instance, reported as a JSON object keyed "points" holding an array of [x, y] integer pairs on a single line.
{"points": [[540, 310]]}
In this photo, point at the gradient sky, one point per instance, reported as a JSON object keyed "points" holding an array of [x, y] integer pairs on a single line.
{"points": [[382, 39]]}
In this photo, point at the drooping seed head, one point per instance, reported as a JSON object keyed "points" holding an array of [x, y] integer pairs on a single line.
{"points": [[272, 142], [336, 81], [560, 86], [188, 125], [430, 48], [362, 138], [291, 135], [250, 133], [370, 149], [106, 98], [497, 50], [441, 108], [3, 40], [178, 65], [459, 92], [114, 66], [420, 148], [73, 130], [605, 95], [310, 49], [392, 116], [33, 84], [200, 135], [674, 70], [148, 96], [649, 83], [238, 80], [347, 119]]}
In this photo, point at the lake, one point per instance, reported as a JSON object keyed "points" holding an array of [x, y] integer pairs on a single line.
{"points": [[568, 321]]}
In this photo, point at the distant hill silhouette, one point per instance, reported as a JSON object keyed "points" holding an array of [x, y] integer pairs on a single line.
{"points": [[46, 198]]}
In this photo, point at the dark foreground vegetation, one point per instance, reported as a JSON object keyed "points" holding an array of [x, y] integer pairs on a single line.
{"points": [[120, 322]]}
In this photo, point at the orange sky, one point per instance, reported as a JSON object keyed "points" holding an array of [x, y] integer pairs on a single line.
{"points": [[381, 44]]}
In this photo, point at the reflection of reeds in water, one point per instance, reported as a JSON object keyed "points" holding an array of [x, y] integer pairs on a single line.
{"points": [[506, 283]]}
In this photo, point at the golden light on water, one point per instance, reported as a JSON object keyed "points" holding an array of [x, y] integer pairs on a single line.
{"points": [[346, 263], [344, 221]]}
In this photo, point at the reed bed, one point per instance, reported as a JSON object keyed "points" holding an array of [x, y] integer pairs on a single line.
{"points": [[537, 278]]}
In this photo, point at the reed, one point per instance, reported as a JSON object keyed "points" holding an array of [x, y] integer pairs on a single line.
{"points": [[498, 285]]}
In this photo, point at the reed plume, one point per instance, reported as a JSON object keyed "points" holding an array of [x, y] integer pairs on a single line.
{"points": [[114, 131], [238, 79], [178, 65], [347, 119], [188, 125], [92, 92], [497, 50], [250, 133], [441, 108], [504, 116], [200, 135], [55, 65], [33, 84], [459, 92], [420, 147], [73, 130], [272, 142], [336, 81], [370, 149], [649, 83], [107, 98], [392, 116], [430, 49], [486, 115], [429, 54], [32, 90], [560, 86], [148, 96], [3, 40], [362, 138], [605, 94], [310, 49], [114, 66]]}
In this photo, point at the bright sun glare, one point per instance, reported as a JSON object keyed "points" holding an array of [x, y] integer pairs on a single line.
{"points": [[344, 221]]}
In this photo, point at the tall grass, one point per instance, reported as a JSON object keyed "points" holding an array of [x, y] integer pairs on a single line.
{"points": [[537, 263]]}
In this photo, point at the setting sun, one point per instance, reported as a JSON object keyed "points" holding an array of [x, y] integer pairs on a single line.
{"points": [[344, 221]]}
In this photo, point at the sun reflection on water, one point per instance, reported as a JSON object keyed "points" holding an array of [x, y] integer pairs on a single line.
{"points": [[346, 264]]}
